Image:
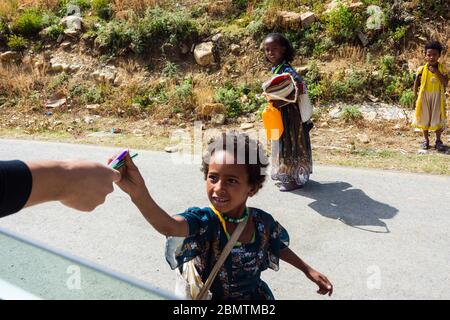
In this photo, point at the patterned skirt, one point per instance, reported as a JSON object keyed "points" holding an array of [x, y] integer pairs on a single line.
{"points": [[291, 154]]}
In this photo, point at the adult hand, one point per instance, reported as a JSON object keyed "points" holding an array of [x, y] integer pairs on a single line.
{"points": [[324, 284], [82, 185]]}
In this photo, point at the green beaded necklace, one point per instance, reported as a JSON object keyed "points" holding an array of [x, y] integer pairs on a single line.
{"points": [[236, 220]]}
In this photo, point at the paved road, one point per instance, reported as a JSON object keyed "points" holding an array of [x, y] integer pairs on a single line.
{"points": [[375, 234]]}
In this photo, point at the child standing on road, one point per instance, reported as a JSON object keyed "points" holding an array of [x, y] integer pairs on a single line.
{"points": [[234, 171], [293, 164], [431, 81]]}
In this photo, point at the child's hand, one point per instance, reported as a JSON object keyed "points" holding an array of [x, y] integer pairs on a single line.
{"points": [[433, 68], [131, 180], [324, 284]]}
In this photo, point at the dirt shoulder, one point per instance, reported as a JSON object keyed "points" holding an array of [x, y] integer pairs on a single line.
{"points": [[391, 145]]}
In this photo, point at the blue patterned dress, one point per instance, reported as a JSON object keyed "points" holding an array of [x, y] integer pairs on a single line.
{"points": [[240, 276], [293, 158]]}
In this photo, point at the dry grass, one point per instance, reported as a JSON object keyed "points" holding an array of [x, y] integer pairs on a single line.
{"points": [[138, 6], [352, 53], [9, 8], [19, 81]]}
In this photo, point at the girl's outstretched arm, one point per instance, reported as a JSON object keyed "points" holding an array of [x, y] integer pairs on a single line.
{"points": [[133, 184], [324, 284]]}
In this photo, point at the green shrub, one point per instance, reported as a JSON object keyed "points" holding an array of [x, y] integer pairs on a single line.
{"points": [[387, 64], [351, 113], [399, 33], [55, 31], [148, 96], [159, 25], [103, 8], [65, 5], [407, 99], [170, 70], [113, 36], [28, 23], [57, 81], [16, 43], [3, 27], [239, 100], [341, 23]]}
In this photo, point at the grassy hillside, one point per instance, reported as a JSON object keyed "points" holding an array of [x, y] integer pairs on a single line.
{"points": [[346, 58]]}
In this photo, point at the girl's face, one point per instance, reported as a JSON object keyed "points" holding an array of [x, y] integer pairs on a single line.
{"points": [[227, 184], [274, 51], [432, 56]]}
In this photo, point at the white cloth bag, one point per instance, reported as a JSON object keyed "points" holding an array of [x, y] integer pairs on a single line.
{"points": [[189, 283]]}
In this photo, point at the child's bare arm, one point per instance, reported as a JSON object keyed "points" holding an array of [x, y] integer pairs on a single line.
{"points": [[133, 184], [158, 218], [324, 284], [416, 86]]}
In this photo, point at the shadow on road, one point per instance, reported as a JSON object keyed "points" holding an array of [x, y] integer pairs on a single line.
{"points": [[337, 200]]}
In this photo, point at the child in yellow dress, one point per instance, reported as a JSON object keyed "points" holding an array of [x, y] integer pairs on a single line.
{"points": [[429, 92]]}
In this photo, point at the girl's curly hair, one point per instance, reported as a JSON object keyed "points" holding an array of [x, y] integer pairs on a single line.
{"points": [[245, 150], [436, 45]]}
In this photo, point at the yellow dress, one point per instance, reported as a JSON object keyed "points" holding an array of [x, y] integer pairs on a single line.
{"points": [[430, 104]]}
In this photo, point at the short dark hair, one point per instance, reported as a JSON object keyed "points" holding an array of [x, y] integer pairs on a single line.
{"points": [[255, 158], [289, 53], [436, 45]]}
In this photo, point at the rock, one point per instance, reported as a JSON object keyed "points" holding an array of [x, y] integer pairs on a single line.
{"points": [[235, 49], [72, 23], [171, 149], [184, 48], [303, 70], [218, 119], [66, 67], [307, 19], [355, 5], [421, 151], [335, 112], [56, 67], [74, 68], [247, 126], [362, 37], [370, 116], [217, 37], [203, 53], [10, 56], [57, 101], [373, 98], [88, 120], [363, 138], [65, 44], [71, 33], [289, 20], [92, 106], [209, 109], [104, 76]]}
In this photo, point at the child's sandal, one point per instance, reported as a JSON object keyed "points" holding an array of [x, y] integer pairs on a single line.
{"points": [[425, 145], [439, 145]]}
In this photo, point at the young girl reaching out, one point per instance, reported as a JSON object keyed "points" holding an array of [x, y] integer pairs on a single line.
{"points": [[230, 181]]}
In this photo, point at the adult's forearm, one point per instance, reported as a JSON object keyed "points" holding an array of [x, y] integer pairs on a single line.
{"points": [[49, 181]]}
